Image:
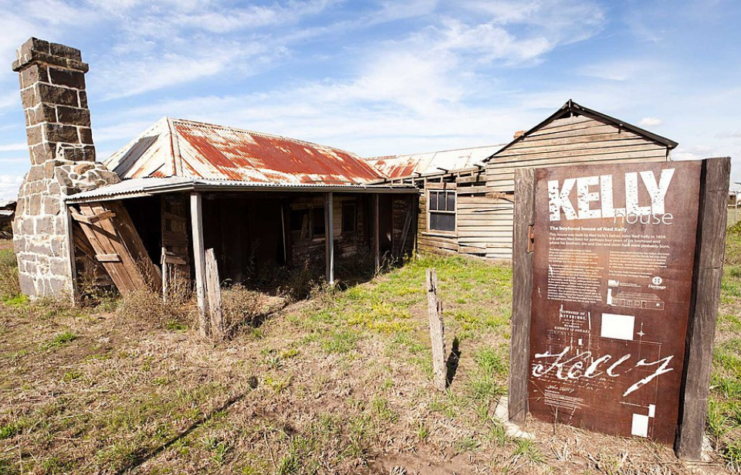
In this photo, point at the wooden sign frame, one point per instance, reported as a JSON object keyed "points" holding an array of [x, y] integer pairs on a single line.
{"points": [[708, 272]]}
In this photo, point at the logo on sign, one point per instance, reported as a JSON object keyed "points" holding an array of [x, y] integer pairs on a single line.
{"points": [[657, 280]]}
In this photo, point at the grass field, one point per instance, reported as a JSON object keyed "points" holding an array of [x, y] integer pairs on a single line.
{"points": [[340, 383]]}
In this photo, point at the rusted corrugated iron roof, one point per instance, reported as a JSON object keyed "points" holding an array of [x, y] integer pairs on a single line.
{"points": [[175, 147], [400, 166]]}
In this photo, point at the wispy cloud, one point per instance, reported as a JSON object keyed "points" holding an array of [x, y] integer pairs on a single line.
{"points": [[650, 122], [9, 185], [13, 147]]}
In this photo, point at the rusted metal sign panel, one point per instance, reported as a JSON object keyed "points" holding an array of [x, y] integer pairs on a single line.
{"points": [[612, 281]]}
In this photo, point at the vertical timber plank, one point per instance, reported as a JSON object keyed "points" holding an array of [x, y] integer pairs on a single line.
{"points": [[437, 331], [708, 272], [522, 283], [164, 271], [213, 288], [329, 235], [199, 259]]}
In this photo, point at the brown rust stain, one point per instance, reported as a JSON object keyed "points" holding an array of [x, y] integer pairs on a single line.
{"points": [[397, 167], [240, 155]]}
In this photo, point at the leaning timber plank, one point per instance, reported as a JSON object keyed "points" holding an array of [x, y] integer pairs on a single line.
{"points": [[82, 242], [133, 280], [132, 241], [94, 218], [100, 241], [108, 258]]}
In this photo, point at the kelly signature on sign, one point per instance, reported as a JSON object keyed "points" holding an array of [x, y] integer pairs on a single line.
{"points": [[584, 366]]}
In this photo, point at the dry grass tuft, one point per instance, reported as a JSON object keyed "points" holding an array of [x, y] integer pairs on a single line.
{"points": [[147, 306]]}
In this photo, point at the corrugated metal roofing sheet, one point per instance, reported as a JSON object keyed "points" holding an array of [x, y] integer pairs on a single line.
{"points": [[176, 147], [147, 186], [399, 166]]}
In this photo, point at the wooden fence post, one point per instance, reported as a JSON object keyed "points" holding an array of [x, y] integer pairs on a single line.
{"points": [[437, 331], [522, 280], [709, 254], [213, 292], [165, 275]]}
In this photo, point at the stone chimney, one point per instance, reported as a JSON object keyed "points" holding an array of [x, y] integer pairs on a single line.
{"points": [[60, 140]]}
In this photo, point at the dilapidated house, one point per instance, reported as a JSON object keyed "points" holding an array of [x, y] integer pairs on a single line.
{"points": [[470, 210], [180, 188]]}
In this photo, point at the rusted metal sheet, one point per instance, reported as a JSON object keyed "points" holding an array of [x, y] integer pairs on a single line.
{"points": [[175, 147], [611, 295]]}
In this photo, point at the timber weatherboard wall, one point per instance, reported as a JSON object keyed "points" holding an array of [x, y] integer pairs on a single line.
{"points": [[485, 198]]}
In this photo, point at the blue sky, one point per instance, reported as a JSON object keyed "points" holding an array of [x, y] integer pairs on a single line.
{"points": [[387, 77]]}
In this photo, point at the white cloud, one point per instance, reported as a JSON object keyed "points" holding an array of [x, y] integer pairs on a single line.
{"points": [[623, 69], [13, 147], [566, 21], [136, 74], [650, 122], [9, 185]]}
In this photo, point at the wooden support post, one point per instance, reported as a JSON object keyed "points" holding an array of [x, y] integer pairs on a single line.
{"points": [[199, 259], [376, 232], [437, 331], [522, 257], [213, 291], [329, 236], [708, 272]]}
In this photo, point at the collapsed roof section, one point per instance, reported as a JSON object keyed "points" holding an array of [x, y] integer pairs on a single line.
{"points": [[187, 149], [404, 166]]}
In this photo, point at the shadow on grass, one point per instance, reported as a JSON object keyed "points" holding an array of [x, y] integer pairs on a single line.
{"points": [[141, 456], [452, 363]]}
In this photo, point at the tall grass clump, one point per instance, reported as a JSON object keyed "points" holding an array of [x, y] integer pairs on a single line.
{"points": [[10, 287], [242, 306]]}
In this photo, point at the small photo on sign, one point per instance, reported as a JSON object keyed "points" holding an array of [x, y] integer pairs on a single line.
{"points": [[619, 327]]}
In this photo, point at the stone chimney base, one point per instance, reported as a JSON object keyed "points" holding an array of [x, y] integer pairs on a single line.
{"points": [[42, 236]]}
